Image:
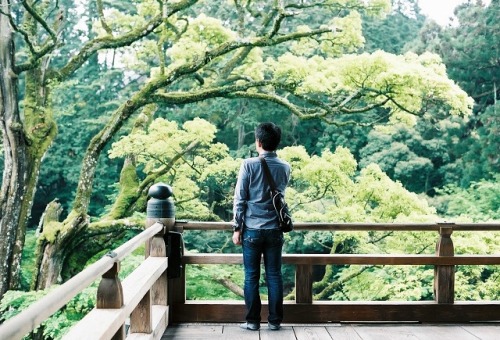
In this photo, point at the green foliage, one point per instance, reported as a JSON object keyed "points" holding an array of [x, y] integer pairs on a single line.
{"points": [[14, 302], [28, 260], [202, 282], [325, 188], [394, 32], [479, 202], [315, 75]]}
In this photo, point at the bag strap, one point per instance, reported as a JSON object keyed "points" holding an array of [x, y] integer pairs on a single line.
{"points": [[267, 174]]}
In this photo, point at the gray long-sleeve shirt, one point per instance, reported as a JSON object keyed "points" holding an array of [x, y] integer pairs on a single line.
{"points": [[253, 207]]}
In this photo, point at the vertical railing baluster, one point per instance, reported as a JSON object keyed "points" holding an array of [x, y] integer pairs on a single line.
{"points": [[303, 283], [141, 318], [444, 275], [110, 294]]}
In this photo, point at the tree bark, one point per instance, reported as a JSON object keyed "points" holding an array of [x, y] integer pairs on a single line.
{"points": [[25, 142], [14, 179]]}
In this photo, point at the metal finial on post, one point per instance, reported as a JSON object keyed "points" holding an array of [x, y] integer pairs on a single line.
{"points": [[160, 206]]}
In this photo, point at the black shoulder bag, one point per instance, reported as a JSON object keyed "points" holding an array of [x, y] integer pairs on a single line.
{"points": [[284, 217]]}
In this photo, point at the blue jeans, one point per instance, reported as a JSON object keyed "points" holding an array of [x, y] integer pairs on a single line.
{"points": [[267, 242]]}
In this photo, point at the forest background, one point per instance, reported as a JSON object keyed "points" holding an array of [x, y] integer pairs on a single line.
{"points": [[386, 116]]}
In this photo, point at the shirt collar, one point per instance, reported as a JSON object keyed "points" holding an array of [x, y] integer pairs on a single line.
{"points": [[268, 154]]}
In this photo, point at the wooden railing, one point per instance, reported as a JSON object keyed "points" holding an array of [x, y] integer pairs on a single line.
{"points": [[142, 296], [305, 310], [151, 300]]}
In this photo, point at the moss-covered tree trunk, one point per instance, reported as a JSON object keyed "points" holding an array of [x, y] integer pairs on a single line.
{"points": [[55, 244], [15, 159], [25, 141]]}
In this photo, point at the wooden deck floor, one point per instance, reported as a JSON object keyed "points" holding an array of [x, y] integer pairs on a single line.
{"points": [[369, 331]]}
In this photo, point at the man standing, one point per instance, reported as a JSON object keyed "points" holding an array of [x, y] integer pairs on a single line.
{"points": [[256, 226]]}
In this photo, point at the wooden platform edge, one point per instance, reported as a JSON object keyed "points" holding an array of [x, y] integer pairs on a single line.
{"points": [[328, 312]]}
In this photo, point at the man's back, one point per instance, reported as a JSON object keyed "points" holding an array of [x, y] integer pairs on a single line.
{"points": [[252, 192]]}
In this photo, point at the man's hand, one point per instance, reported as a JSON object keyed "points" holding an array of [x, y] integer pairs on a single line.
{"points": [[237, 237]]}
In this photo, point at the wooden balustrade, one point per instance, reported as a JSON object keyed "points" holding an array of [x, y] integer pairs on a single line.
{"points": [[115, 300], [305, 310], [151, 300]]}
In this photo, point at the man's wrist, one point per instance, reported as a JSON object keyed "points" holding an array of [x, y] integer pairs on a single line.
{"points": [[236, 227]]}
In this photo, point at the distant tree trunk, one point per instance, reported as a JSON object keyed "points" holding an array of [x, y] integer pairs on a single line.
{"points": [[14, 181]]}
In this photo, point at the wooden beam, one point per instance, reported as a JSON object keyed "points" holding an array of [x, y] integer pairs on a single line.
{"points": [[325, 312], [361, 259], [320, 226]]}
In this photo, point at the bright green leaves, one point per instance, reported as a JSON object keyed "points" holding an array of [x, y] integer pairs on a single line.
{"points": [[327, 188], [202, 34], [163, 142], [406, 84], [346, 36], [386, 200], [182, 155]]}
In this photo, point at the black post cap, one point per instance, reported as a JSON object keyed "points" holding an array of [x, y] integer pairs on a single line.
{"points": [[160, 205], [160, 191]]}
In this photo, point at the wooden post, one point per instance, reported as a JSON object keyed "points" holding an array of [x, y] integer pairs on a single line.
{"points": [[140, 319], [444, 276], [303, 283], [110, 294], [160, 209], [177, 286]]}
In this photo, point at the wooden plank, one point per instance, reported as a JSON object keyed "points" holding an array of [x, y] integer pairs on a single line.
{"points": [[103, 323], [233, 331], [354, 259], [343, 331], [324, 311], [193, 332], [311, 333], [385, 332], [427, 332], [285, 333], [160, 323], [484, 331]]}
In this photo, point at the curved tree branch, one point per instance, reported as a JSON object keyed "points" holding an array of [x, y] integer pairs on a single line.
{"points": [[102, 18], [91, 47]]}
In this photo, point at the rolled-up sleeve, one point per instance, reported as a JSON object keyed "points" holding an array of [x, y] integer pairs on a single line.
{"points": [[241, 195]]}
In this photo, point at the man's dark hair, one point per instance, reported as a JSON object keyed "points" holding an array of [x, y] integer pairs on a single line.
{"points": [[269, 134]]}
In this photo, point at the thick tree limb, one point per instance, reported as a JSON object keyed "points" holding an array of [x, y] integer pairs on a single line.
{"points": [[233, 287], [91, 47], [327, 291]]}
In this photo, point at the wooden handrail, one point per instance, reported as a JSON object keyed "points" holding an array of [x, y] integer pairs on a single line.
{"points": [[353, 259], [321, 226], [29, 319]]}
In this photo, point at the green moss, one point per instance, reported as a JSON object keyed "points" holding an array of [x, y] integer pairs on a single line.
{"points": [[50, 231], [128, 192]]}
